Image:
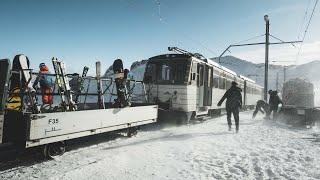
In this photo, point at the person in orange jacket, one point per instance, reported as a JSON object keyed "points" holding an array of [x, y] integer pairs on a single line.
{"points": [[46, 84]]}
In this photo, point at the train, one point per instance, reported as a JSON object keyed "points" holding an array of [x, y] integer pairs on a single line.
{"points": [[182, 85], [188, 86]]}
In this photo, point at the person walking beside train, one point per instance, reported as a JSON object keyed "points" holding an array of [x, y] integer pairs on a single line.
{"points": [[233, 104], [274, 101]]}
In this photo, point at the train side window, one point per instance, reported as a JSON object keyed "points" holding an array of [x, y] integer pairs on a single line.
{"points": [[215, 79], [198, 75], [150, 74], [222, 83], [164, 73], [210, 80], [179, 73], [194, 71]]}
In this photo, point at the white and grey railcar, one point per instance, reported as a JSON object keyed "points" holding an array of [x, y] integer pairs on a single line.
{"points": [[190, 86]]}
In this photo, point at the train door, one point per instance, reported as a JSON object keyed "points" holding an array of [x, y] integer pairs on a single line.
{"points": [[4, 73], [207, 88], [200, 84]]}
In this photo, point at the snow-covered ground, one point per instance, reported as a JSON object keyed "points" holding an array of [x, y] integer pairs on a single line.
{"points": [[261, 150]]}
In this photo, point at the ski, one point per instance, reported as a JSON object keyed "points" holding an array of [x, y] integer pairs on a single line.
{"points": [[62, 82], [59, 83], [77, 84], [99, 86], [84, 74], [65, 81]]}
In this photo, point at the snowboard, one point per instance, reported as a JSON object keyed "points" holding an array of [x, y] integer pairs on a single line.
{"points": [[120, 81], [19, 100], [19, 81]]}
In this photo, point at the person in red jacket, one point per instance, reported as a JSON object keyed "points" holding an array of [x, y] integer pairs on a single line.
{"points": [[46, 84]]}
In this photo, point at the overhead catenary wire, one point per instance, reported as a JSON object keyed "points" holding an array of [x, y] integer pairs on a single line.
{"points": [[281, 40], [185, 35], [304, 19], [159, 9], [309, 22], [307, 27], [249, 39], [181, 33]]}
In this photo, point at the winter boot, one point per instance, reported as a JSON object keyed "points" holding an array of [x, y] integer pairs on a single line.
{"points": [[229, 127], [237, 129]]}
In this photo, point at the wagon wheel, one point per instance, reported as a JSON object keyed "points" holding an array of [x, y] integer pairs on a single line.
{"points": [[132, 131], [54, 149]]}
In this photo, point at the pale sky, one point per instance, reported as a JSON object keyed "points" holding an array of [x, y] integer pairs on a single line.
{"points": [[83, 31]]}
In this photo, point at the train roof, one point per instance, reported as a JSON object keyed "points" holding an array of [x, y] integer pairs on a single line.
{"points": [[209, 61], [221, 67], [173, 55], [247, 79]]}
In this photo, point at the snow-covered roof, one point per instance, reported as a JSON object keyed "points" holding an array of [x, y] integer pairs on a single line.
{"points": [[221, 67], [247, 79]]}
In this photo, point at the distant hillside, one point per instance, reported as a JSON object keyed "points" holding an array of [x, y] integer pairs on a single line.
{"points": [[309, 71]]}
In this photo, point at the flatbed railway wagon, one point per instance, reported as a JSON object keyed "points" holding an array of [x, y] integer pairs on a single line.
{"points": [[30, 126], [186, 85]]}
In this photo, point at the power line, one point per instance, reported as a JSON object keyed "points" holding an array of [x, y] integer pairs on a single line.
{"points": [[307, 27], [165, 22], [249, 39], [184, 34], [159, 9], [202, 44], [309, 22], [303, 20], [280, 40]]}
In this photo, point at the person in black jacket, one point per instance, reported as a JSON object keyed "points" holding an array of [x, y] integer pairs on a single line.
{"points": [[274, 101], [263, 107], [234, 102]]}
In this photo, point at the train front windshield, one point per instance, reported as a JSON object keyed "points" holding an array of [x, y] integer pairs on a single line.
{"points": [[167, 72]]}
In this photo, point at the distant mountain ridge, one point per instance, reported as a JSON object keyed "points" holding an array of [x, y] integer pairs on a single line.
{"points": [[309, 71]]}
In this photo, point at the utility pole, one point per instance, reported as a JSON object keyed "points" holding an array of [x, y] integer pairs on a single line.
{"points": [[266, 43], [266, 63]]}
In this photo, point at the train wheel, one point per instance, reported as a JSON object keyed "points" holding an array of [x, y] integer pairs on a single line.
{"points": [[132, 131], [54, 149]]}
